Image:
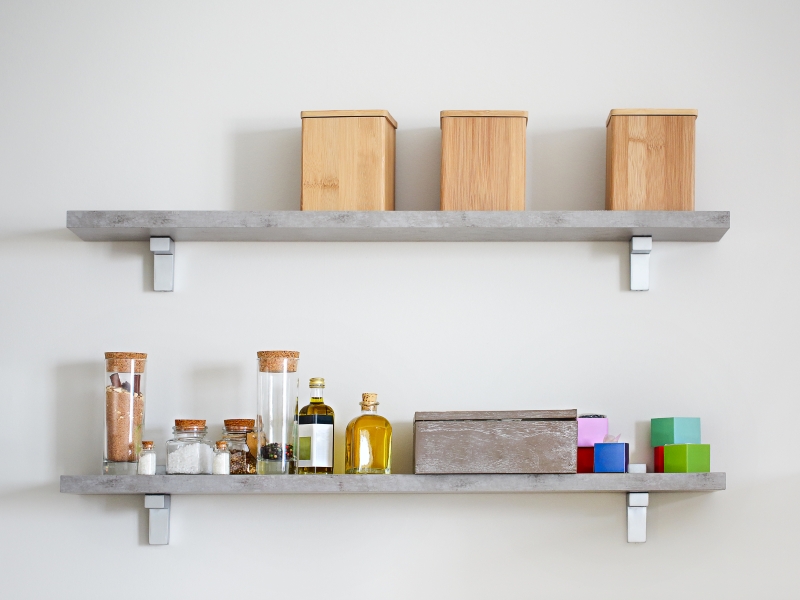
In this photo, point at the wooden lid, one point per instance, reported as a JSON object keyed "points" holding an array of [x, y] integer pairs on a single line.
{"points": [[117, 362], [240, 424], [272, 361], [518, 114], [127, 355], [190, 423], [651, 112], [317, 114], [499, 415]]}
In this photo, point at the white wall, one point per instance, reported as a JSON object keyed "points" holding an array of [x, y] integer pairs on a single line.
{"points": [[195, 105]]}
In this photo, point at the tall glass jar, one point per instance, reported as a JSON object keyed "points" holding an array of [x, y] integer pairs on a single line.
{"points": [[189, 452], [125, 395], [278, 397], [236, 433]]}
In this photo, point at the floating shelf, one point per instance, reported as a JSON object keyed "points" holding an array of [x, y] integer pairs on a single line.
{"points": [[399, 226], [157, 489], [391, 484]]}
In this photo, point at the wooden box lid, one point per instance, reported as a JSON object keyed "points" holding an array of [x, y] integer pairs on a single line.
{"points": [[519, 114], [316, 114], [570, 414], [651, 112]]}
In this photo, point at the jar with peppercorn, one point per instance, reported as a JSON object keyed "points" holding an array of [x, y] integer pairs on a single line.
{"points": [[278, 396]]}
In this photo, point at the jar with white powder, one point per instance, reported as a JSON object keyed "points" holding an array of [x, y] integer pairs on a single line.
{"points": [[147, 459], [222, 459], [189, 452]]}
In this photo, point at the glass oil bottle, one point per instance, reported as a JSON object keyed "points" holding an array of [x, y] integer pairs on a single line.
{"points": [[368, 447], [315, 433]]}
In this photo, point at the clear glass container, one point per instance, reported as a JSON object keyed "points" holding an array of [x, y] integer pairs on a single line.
{"points": [[147, 460], [221, 464], [315, 433], [125, 396], [238, 434], [189, 452], [368, 441], [276, 426]]}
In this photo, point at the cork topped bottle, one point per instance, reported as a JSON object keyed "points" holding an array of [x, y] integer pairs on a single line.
{"points": [[276, 425], [368, 442], [125, 394]]}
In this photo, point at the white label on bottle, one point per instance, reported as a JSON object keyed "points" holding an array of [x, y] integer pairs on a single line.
{"points": [[315, 443]]}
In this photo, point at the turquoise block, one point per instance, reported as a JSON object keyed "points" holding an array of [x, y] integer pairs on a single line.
{"points": [[674, 430]]}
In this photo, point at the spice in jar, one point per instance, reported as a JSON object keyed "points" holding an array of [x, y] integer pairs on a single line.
{"points": [[222, 459], [238, 434], [147, 459]]}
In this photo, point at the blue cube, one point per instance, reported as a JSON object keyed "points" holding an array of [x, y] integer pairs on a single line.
{"points": [[611, 458]]}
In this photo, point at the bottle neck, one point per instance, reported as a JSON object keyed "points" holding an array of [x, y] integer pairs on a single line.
{"points": [[316, 395], [371, 409]]}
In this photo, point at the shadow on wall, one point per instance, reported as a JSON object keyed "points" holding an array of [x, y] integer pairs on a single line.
{"points": [[266, 169], [568, 170], [79, 418], [418, 169]]}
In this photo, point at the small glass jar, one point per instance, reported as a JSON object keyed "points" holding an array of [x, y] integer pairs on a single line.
{"points": [[238, 433], [278, 397], [125, 392], [222, 459], [147, 460], [189, 452]]}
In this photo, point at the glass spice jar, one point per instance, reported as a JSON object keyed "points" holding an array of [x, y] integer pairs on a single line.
{"points": [[236, 433], [222, 459], [278, 396], [125, 394], [189, 452], [147, 459]]}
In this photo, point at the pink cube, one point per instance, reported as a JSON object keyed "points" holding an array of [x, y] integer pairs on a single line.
{"points": [[591, 430]]}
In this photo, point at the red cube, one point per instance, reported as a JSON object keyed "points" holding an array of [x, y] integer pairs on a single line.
{"points": [[658, 459], [586, 460]]}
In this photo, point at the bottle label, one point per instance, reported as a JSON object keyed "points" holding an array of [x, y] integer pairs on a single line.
{"points": [[315, 441]]}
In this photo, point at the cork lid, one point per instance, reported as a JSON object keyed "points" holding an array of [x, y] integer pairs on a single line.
{"points": [[222, 445], [518, 114], [272, 361], [651, 112], [148, 445], [239, 424], [190, 424], [317, 114], [120, 362], [369, 399]]}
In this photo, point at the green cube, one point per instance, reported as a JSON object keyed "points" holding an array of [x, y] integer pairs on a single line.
{"points": [[687, 458], [674, 430]]}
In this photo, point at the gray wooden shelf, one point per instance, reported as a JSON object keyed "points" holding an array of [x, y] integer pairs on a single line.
{"points": [[158, 489], [399, 226], [391, 484]]}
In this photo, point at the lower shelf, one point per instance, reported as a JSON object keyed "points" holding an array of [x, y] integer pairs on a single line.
{"points": [[391, 484]]}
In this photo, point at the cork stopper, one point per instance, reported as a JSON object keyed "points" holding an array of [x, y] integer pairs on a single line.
{"points": [[239, 424], [120, 362], [147, 445], [222, 445], [190, 424], [369, 400], [273, 361], [316, 382]]}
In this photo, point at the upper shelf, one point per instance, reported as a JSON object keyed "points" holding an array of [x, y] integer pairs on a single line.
{"points": [[391, 484], [399, 226]]}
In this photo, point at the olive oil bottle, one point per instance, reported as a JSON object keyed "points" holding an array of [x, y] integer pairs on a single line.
{"points": [[315, 433], [368, 447]]}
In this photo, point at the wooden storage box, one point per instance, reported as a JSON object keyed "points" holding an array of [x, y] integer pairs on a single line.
{"points": [[650, 159], [483, 159], [516, 441], [348, 160]]}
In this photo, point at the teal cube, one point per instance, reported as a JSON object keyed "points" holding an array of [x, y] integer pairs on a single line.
{"points": [[674, 430], [687, 458]]}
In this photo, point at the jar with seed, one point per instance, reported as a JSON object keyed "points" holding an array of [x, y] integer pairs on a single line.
{"points": [[278, 396], [238, 433], [189, 452], [222, 459], [125, 395], [147, 459]]}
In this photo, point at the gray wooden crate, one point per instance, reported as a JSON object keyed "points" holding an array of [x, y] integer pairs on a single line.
{"points": [[523, 441]]}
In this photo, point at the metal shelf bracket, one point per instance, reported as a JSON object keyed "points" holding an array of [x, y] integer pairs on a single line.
{"points": [[163, 249], [641, 246], [158, 507], [637, 517]]}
